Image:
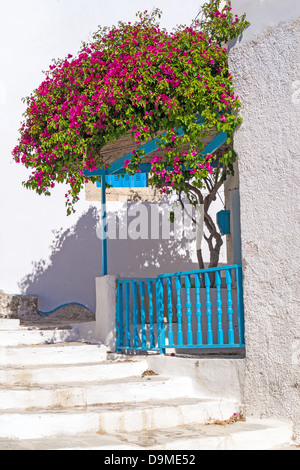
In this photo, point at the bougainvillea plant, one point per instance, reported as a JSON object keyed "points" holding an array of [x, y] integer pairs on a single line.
{"points": [[136, 78]]}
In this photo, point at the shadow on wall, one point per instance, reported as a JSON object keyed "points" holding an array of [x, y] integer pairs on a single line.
{"points": [[69, 273], [75, 261]]}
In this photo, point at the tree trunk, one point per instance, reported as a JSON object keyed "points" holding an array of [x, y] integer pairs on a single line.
{"points": [[201, 265], [214, 248]]}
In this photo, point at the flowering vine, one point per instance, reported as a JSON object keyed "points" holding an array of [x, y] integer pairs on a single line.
{"points": [[141, 79]]}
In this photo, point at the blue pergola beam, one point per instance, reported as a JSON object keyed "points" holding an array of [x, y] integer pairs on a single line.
{"points": [[98, 172], [148, 148], [215, 144], [119, 169]]}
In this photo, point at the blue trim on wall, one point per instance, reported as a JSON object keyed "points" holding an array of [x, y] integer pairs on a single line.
{"points": [[61, 306], [139, 180], [51, 311]]}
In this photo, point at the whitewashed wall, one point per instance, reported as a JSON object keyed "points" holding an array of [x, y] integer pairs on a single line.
{"points": [[266, 73], [41, 250], [265, 14]]}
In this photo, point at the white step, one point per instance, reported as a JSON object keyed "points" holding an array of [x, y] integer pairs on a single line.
{"points": [[64, 374], [59, 394], [130, 389], [253, 434], [249, 435], [84, 441], [7, 324], [112, 418], [46, 354], [30, 337]]}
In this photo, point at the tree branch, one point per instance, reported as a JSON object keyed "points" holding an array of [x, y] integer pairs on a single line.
{"points": [[197, 191], [213, 193]]}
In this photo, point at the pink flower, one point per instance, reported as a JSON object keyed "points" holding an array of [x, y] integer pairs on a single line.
{"points": [[154, 159], [223, 118]]}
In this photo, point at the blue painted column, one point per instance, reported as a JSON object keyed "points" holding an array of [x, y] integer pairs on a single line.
{"points": [[103, 225]]}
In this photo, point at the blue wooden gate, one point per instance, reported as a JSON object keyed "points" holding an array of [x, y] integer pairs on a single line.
{"points": [[200, 309]]}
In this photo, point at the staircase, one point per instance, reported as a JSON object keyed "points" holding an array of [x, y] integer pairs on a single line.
{"points": [[60, 393]]}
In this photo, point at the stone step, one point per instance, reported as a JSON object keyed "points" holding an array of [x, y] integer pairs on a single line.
{"points": [[18, 305], [120, 391], [249, 435], [113, 418], [68, 373], [49, 354], [21, 337]]}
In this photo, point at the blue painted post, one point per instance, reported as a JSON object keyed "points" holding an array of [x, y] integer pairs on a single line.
{"points": [[229, 308], [240, 302], [119, 315], [127, 314], [143, 314], [135, 315], [179, 311], [160, 315], [170, 310], [198, 309], [151, 319], [104, 225], [188, 310], [208, 310], [219, 308], [157, 300]]}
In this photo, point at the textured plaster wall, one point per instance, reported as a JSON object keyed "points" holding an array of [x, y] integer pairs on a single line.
{"points": [[267, 78]]}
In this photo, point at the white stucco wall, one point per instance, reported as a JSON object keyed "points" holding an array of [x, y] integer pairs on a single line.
{"points": [[41, 250], [264, 14], [267, 79]]}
